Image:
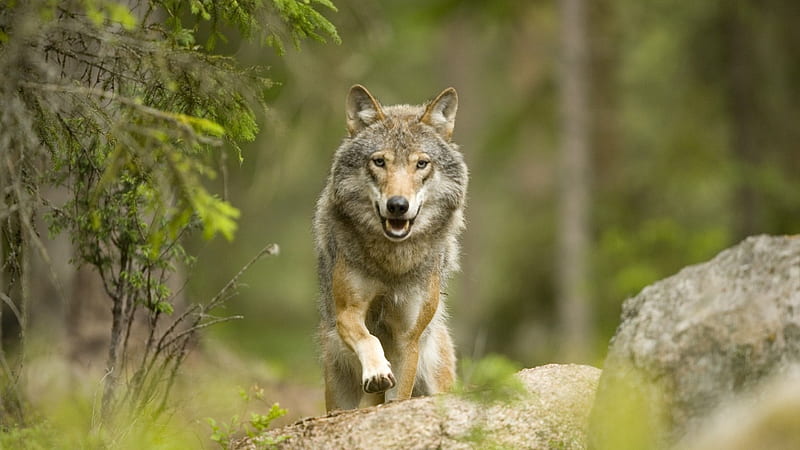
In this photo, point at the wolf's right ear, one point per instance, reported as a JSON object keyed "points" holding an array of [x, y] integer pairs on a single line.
{"points": [[362, 109]]}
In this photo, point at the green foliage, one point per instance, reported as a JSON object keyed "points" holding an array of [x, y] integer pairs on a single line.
{"points": [[224, 432], [217, 216], [37, 437], [479, 437], [69, 430], [628, 267], [630, 414], [101, 11], [304, 21], [254, 19], [490, 379], [117, 108], [167, 106]]}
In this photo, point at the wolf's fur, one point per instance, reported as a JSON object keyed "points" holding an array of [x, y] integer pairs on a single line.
{"points": [[383, 330]]}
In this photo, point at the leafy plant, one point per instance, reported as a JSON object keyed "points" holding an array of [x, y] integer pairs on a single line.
{"points": [[490, 379], [224, 432]]}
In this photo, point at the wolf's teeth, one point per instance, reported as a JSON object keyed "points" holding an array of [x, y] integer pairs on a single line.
{"points": [[397, 225], [396, 228]]}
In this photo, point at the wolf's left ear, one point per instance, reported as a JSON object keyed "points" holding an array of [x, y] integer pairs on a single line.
{"points": [[362, 109], [441, 113]]}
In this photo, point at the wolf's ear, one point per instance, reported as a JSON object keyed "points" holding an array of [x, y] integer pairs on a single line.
{"points": [[362, 109], [441, 113]]}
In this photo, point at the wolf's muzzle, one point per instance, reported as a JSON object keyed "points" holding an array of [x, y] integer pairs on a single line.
{"points": [[397, 205], [396, 228]]}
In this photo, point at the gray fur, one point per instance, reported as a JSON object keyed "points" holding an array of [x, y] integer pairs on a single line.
{"points": [[347, 226]]}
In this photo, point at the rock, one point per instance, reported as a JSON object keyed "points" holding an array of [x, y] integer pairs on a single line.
{"points": [[694, 340], [766, 418], [554, 414]]}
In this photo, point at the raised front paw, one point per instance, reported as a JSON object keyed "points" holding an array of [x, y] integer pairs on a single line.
{"points": [[379, 380]]}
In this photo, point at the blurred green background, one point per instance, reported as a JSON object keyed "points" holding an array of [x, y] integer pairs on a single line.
{"points": [[693, 108]]}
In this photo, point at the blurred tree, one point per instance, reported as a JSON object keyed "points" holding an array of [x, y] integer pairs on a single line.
{"points": [[705, 153], [118, 105], [574, 301], [737, 44]]}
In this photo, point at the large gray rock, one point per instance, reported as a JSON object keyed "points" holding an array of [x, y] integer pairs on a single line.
{"points": [[764, 419], [554, 414], [694, 340]]}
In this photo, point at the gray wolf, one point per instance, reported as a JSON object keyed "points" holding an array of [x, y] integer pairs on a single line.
{"points": [[386, 233]]}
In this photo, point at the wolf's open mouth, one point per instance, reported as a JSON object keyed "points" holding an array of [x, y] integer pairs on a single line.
{"points": [[397, 228]]}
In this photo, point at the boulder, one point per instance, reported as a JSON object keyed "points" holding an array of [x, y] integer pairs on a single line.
{"points": [[765, 418], [690, 342], [553, 414]]}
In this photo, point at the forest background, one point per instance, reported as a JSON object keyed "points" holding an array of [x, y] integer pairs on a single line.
{"points": [[691, 144], [694, 145]]}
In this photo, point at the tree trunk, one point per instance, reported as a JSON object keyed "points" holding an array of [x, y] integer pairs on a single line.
{"points": [[743, 111], [113, 363], [573, 229]]}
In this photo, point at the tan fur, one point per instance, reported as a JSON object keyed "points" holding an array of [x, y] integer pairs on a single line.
{"points": [[410, 341], [399, 177], [383, 331], [446, 374]]}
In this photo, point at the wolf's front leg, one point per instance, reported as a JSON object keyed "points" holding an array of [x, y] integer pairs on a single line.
{"points": [[352, 297]]}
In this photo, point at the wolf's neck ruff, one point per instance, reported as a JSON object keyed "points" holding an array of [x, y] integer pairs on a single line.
{"points": [[387, 226]]}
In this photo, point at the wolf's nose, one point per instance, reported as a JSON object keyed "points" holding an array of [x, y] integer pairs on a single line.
{"points": [[397, 205]]}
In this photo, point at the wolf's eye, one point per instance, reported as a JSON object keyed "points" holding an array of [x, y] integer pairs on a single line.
{"points": [[421, 164], [379, 162]]}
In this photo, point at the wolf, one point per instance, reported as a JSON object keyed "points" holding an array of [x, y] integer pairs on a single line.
{"points": [[386, 234]]}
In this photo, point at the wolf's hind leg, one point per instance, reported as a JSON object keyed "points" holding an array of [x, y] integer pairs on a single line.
{"points": [[342, 384], [437, 362], [445, 372]]}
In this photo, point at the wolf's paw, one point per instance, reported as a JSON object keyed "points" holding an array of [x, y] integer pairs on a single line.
{"points": [[380, 381]]}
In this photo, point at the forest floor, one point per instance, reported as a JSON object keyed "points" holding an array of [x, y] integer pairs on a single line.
{"points": [[215, 385]]}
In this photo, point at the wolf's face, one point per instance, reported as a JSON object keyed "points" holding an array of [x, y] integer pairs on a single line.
{"points": [[398, 189], [398, 174]]}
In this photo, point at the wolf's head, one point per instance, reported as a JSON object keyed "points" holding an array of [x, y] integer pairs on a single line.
{"points": [[398, 173]]}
